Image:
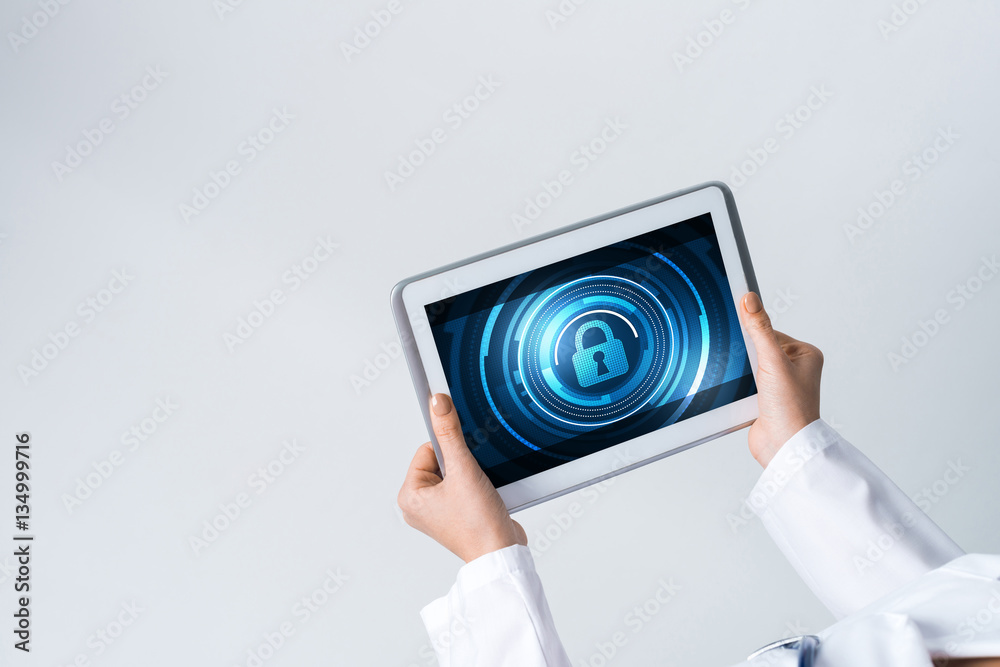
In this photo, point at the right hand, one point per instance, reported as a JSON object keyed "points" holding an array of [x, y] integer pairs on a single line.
{"points": [[461, 509], [788, 378]]}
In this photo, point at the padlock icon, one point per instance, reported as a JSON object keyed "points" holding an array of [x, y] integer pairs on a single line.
{"points": [[600, 362]]}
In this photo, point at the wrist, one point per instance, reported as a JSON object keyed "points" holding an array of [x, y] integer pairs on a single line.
{"points": [[765, 444], [488, 544]]}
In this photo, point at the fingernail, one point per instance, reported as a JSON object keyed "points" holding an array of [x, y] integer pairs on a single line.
{"points": [[440, 404], [752, 303]]}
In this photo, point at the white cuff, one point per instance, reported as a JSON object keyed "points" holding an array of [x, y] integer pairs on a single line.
{"points": [[490, 567], [477, 573], [793, 456]]}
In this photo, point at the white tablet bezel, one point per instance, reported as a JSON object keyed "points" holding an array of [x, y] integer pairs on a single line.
{"points": [[410, 297]]}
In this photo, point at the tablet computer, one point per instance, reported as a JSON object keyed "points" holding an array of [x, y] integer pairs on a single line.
{"points": [[592, 350]]}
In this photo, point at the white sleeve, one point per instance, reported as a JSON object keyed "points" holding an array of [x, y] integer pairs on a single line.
{"points": [[851, 534], [495, 614]]}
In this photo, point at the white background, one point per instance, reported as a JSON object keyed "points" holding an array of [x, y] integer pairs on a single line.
{"points": [[62, 235]]}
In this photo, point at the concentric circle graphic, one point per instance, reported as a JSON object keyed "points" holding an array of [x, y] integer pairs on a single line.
{"points": [[548, 340], [658, 347]]}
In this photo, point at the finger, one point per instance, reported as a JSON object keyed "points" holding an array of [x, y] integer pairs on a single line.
{"points": [[448, 430], [758, 325], [423, 470], [425, 460]]}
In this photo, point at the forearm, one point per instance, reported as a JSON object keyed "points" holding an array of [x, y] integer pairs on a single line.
{"points": [[848, 530]]}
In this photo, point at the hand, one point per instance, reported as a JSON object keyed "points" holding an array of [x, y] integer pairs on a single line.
{"points": [[462, 511], [788, 374]]}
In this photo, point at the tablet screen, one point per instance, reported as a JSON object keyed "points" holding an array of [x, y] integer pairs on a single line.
{"points": [[583, 354]]}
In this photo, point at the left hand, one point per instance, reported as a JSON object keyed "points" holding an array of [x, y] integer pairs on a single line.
{"points": [[461, 511]]}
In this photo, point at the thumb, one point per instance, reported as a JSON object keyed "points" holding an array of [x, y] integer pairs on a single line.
{"points": [[758, 325], [448, 431], [522, 537]]}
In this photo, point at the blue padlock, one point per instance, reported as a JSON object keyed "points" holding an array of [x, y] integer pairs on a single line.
{"points": [[599, 362]]}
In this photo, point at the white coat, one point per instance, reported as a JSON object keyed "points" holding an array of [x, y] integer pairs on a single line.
{"points": [[900, 587]]}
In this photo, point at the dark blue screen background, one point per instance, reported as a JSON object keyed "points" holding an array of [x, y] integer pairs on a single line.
{"points": [[520, 383]]}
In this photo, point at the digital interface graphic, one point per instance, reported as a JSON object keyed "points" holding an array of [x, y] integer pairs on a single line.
{"points": [[577, 356]]}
